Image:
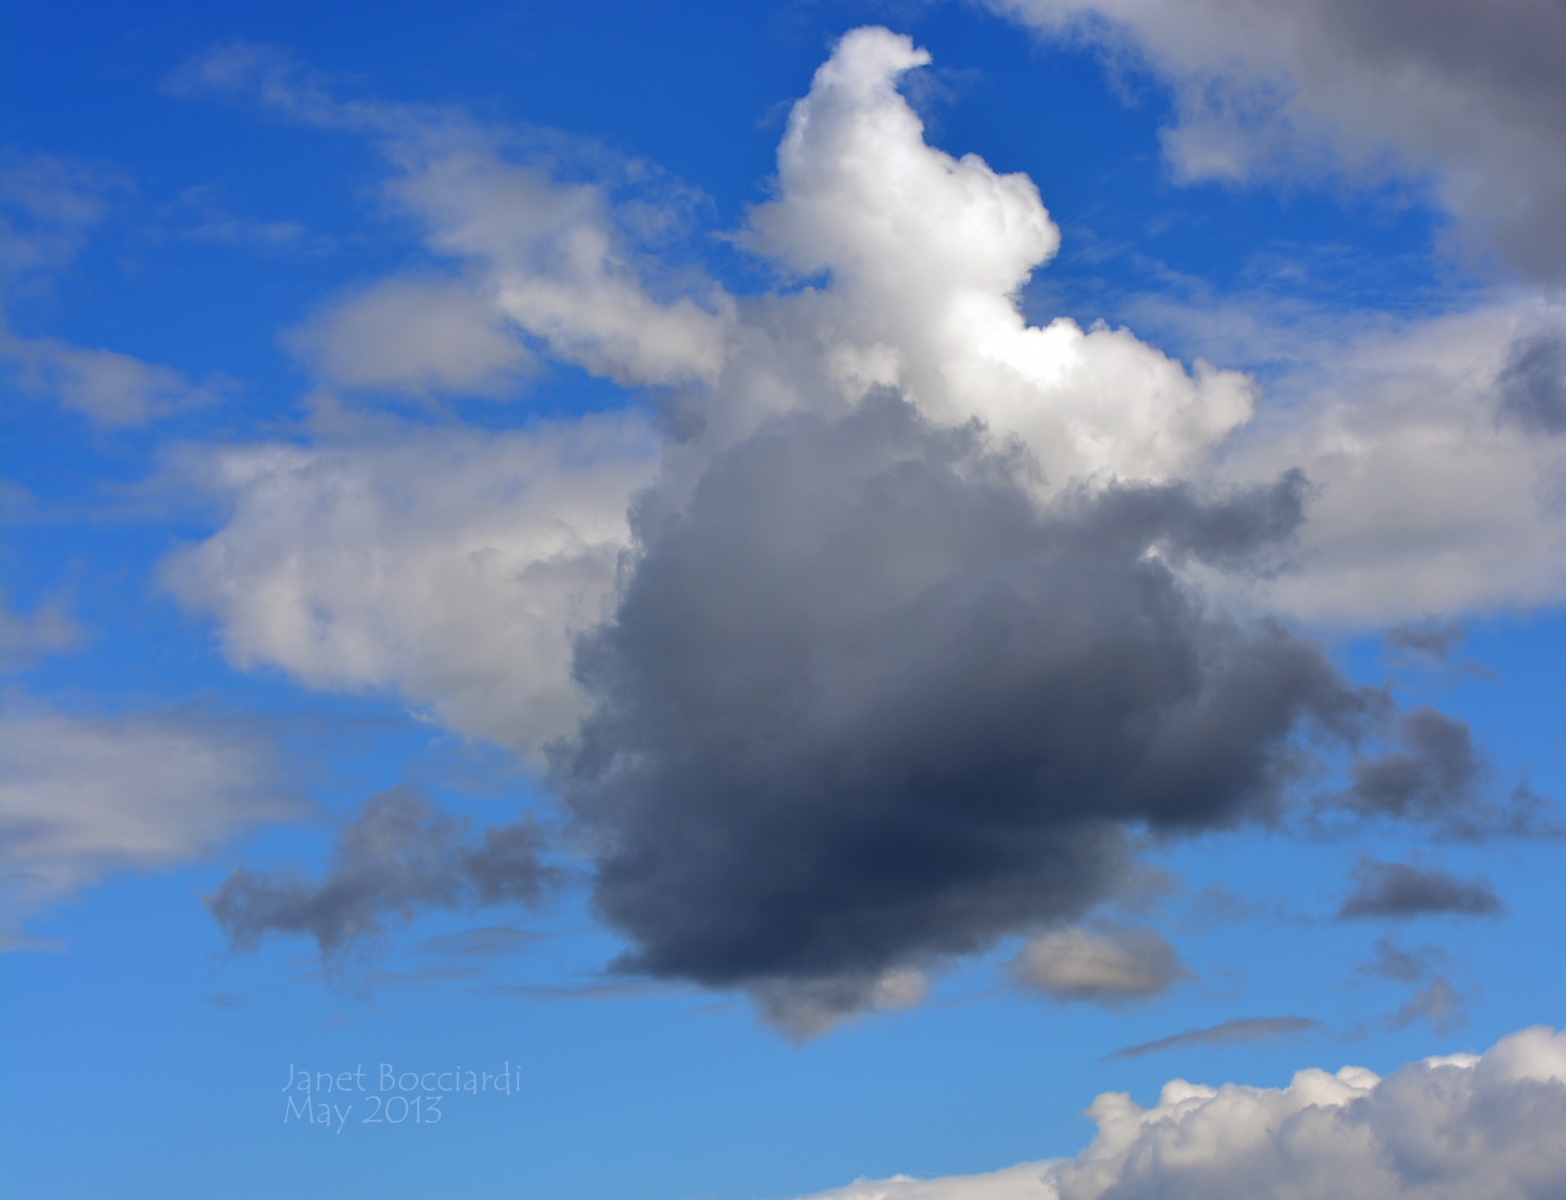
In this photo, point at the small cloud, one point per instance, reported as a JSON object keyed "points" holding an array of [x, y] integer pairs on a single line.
{"points": [[1229, 1033], [1402, 890], [1107, 968], [416, 337], [1532, 384], [1435, 999], [48, 629], [109, 387], [399, 855], [1434, 641]]}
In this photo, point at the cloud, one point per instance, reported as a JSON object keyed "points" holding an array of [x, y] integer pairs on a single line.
{"points": [[559, 259], [864, 704], [1451, 1128], [1533, 382], [396, 857], [451, 565], [83, 797], [48, 629], [1403, 890], [1434, 775], [111, 388], [1107, 968], [924, 255], [1466, 101], [1436, 998], [1025, 1181], [1228, 1033], [416, 336], [1430, 500], [50, 206]]}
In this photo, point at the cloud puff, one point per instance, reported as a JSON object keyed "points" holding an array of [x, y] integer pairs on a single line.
{"points": [[1463, 1127], [1467, 99], [1428, 968], [82, 797], [1404, 890], [864, 703], [925, 254], [111, 388], [1108, 967], [49, 628], [415, 336], [396, 857], [451, 565]]}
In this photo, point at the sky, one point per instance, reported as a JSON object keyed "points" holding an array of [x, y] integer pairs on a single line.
{"points": [[878, 601]]}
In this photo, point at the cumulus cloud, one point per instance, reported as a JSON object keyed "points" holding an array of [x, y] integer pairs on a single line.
{"points": [[109, 387], [1460, 1127], [451, 565], [397, 856], [864, 703], [1107, 967], [919, 611], [415, 336], [1227, 1033], [925, 254], [1464, 99], [1406, 890], [82, 797]]}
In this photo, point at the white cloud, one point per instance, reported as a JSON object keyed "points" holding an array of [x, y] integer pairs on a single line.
{"points": [[450, 565], [1462, 1127], [1467, 99], [415, 336], [926, 254], [81, 797], [1109, 967], [1025, 1181], [109, 387], [1429, 501]]}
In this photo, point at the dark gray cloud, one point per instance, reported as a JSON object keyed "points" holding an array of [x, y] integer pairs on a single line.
{"points": [[1242, 1029], [864, 705], [1403, 890], [398, 856], [1533, 383], [1434, 775]]}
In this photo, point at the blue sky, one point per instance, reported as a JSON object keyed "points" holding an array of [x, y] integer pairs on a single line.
{"points": [[816, 585]]}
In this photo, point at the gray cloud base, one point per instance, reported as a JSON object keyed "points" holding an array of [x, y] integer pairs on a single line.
{"points": [[865, 705]]}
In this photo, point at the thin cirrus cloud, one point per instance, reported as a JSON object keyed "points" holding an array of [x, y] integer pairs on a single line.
{"points": [[1447, 1128], [1227, 1033]]}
